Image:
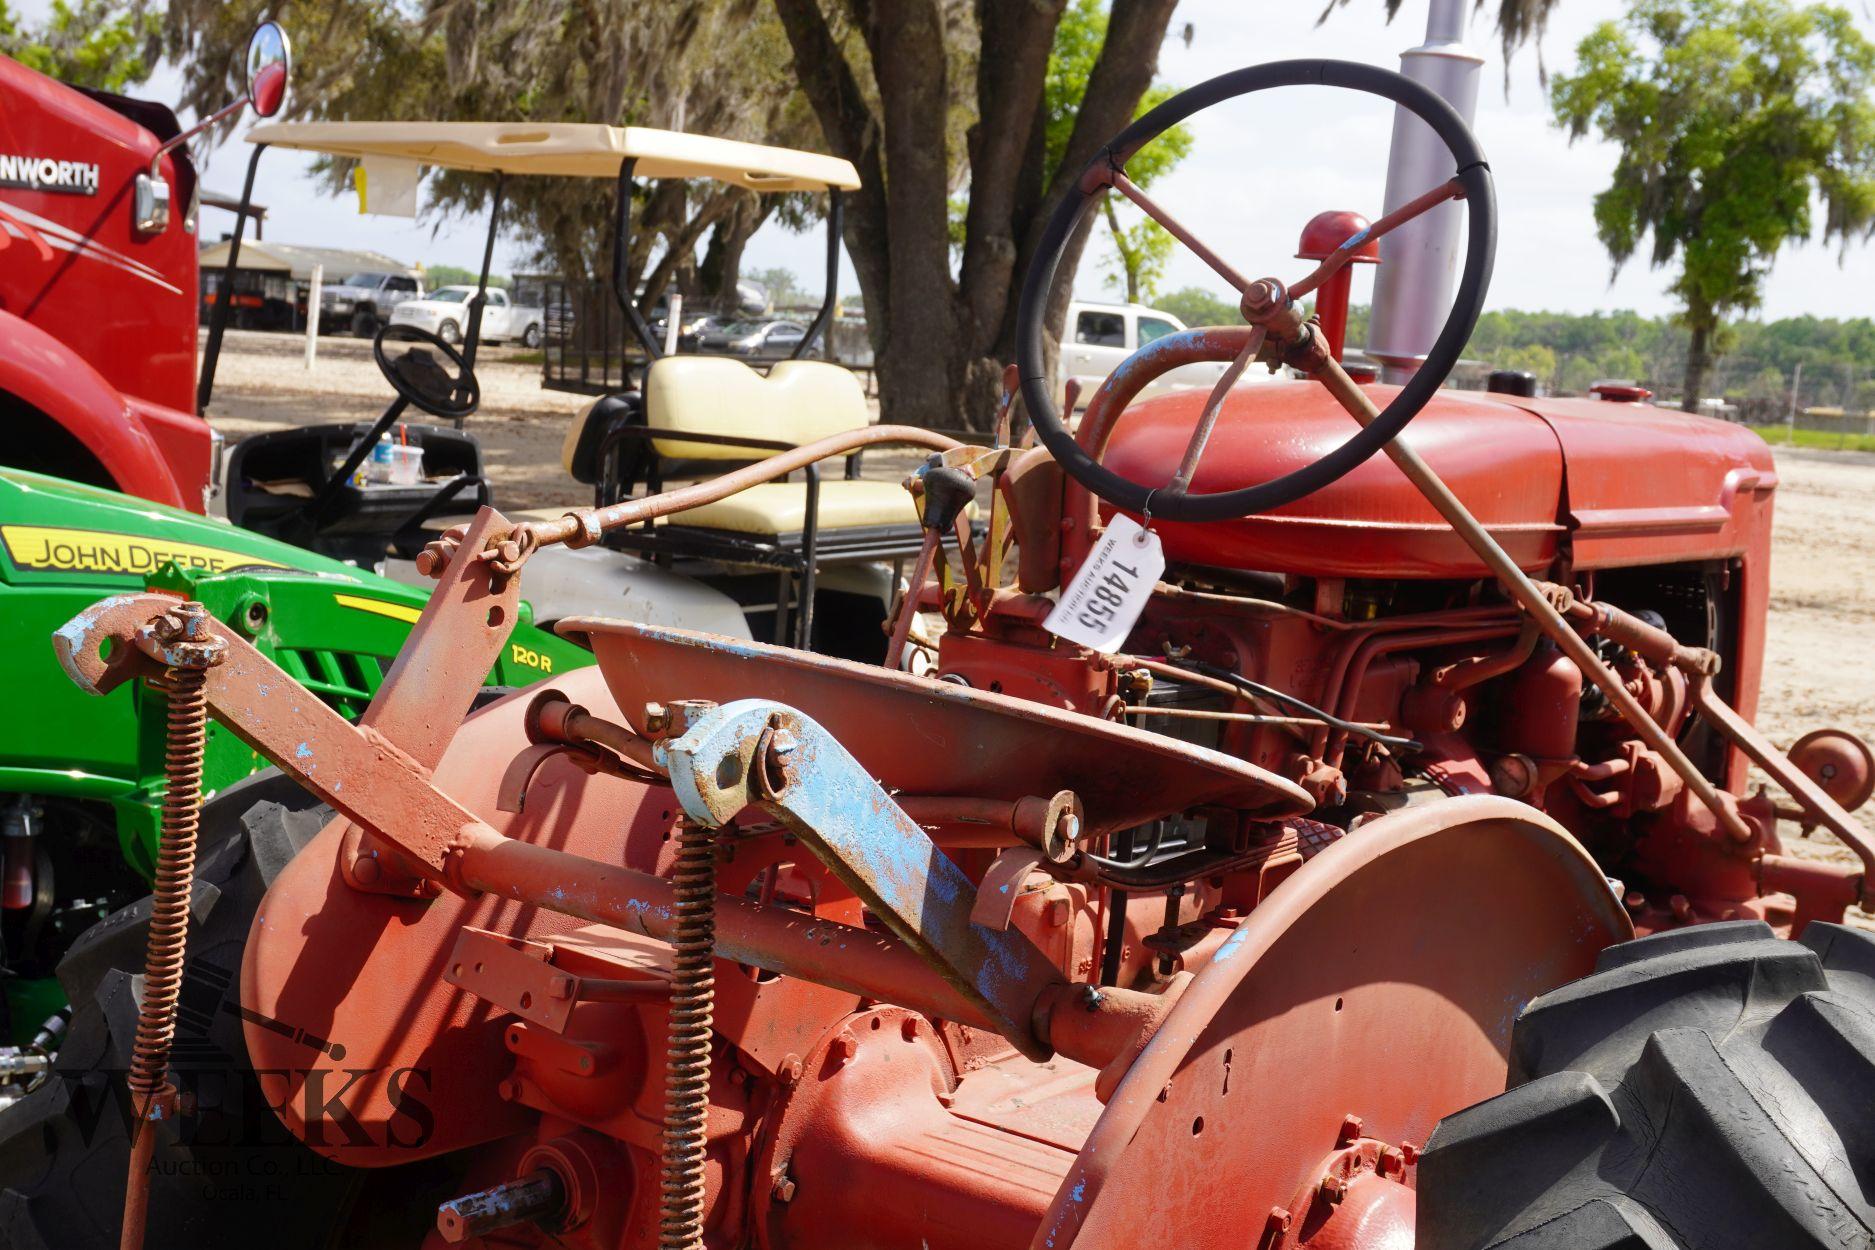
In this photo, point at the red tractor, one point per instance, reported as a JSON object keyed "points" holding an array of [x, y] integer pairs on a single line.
{"points": [[1225, 924]]}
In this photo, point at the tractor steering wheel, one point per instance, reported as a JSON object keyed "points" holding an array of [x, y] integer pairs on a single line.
{"points": [[417, 376], [1264, 302]]}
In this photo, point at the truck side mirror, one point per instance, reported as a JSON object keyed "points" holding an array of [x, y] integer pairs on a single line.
{"points": [[269, 66]]}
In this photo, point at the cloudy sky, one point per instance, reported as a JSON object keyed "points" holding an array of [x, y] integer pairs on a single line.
{"points": [[1259, 169]]}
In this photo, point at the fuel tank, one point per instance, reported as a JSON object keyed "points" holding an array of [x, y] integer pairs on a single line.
{"points": [[1621, 483]]}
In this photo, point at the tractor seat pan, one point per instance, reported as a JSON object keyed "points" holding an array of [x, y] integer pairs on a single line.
{"points": [[925, 737]]}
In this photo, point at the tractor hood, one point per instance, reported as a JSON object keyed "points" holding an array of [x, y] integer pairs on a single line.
{"points": [[60, 536], [1619, 483]]}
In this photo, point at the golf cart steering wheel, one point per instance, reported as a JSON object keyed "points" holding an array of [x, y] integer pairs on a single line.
{"points": [[417, 376], [1265, 303]]}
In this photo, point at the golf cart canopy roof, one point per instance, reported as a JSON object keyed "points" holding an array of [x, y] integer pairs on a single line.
{"points": [[568, 150]]}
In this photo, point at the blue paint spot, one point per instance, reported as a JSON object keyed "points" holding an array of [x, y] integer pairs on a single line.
{"points": [[302, 751]]}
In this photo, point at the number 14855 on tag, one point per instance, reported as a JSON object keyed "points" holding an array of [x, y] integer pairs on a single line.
{"points": [[1108, 592]]}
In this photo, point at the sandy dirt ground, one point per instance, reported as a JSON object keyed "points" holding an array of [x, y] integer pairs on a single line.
{"points": [[1817, 663]]}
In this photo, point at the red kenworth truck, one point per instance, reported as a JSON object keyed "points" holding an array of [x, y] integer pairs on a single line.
{"points": [[98, 284]]}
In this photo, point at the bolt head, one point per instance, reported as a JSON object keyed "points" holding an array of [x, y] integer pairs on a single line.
{"points": [[790, 1070], [784, 1188], [657, 718], [1332, 1190], [686, 712], [181, 637]]}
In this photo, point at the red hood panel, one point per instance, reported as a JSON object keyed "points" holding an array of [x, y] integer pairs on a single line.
{"points": [[1648, 485], [1639, 484], [1372, 523]]}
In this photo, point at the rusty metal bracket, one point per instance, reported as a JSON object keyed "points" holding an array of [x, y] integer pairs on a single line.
{"points": [[358, 770], [754, 752], [1815, 800], [1002, 886], [519, 977]]}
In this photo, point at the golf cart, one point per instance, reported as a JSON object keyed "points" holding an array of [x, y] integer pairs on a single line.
{"points": [[800, 560]]}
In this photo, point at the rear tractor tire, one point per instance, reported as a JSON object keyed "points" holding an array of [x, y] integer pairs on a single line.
{"points": [[228, 1175], [1708, 1087]]}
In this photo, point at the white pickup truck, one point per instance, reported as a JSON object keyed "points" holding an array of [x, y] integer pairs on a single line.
{"points": [[1099, 336], [445, 313]]}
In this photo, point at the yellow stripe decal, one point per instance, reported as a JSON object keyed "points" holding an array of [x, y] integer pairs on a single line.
{"points": [[57, 549], [396, 611]]}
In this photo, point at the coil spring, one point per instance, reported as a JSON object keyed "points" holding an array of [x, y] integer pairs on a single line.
{"points": [[687, 1056], [175, 871]]}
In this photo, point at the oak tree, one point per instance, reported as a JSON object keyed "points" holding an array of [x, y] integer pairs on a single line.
{"points": [[90, 43], [718, 67], [1737, 120], [886, 78]]}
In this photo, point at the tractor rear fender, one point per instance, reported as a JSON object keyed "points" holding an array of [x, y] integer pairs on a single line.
{"points": [[1380, 982], [147, 450]]}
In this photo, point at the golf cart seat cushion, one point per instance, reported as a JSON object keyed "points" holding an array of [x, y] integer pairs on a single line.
{"points": [[779, 508], [798, 402], [579, 451]]}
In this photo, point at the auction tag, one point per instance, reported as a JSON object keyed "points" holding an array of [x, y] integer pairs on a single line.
{"points": [[1110, 590]]}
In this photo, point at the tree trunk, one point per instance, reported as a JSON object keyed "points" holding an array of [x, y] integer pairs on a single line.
{"points": [[1698, 360], [721, 270], [680, 247], [940, 343]]}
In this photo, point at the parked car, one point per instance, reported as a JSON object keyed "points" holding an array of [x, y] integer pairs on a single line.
{"points": [[1099, 336], [754, 338], [363, 301], [690, 339], [445, 313]]}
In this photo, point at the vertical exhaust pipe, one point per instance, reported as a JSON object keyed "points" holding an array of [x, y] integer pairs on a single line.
{"points": [[1419, 261]]}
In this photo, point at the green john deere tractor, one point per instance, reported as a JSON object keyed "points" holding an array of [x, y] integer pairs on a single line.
{"points": [[81, 779]]}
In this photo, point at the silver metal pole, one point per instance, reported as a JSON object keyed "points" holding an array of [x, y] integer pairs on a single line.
{"points": [[312, 314], [1790, 417], [1419, 261]]}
